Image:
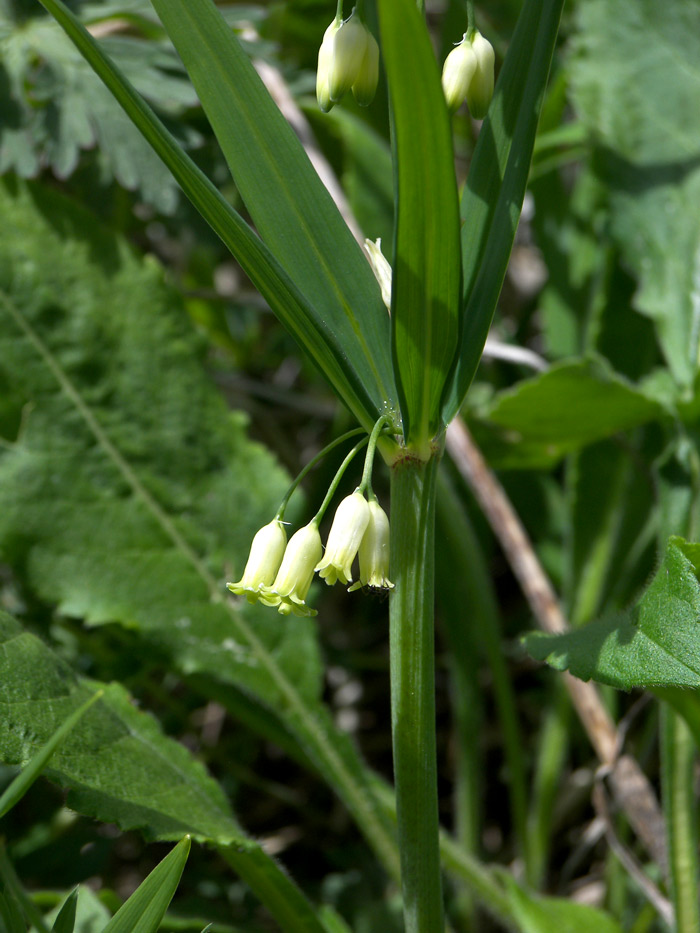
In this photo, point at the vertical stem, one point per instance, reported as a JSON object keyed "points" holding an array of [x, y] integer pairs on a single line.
{"points": [[677, 756], [412, 659]]}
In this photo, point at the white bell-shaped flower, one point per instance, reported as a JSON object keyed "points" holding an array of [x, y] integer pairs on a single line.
{"points": [[349, 524], [264, 560]]}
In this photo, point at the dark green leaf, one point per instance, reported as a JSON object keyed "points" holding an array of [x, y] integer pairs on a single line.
{"points": [[11, 919], [306, 323], [426, 280], [657, 643], [628, 63], [21, 784], [496, 183], [290, 206], [65, 921], [146, 907]]}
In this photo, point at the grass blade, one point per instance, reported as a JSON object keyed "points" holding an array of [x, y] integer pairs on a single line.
{"points": [[146, 907], [496, 183], [290, 206], [65, 921], [31, 771], [426, 280], [304, 323]]}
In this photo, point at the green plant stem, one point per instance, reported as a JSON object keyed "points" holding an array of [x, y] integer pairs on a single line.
{"points": [[677, 759], [9, 878], [412, 663], [366, 482], [471, 23], [336, 481], [310, 465]]}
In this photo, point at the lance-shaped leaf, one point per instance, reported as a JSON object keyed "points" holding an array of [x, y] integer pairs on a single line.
{"points": [[341, 356], [426, 281], [495, 188], [290, 206], [656, 643]]}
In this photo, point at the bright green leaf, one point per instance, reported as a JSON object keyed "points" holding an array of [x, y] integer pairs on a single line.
{"points": [[144, 910], [493, 194], [535, 914], [656, 643], [426, 278], [571, 405], [291, 208], [121, 476]]}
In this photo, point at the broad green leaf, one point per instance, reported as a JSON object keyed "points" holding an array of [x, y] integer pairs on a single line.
{"points": [[121, 476], [146, 907], [656, 643], [628, 63], [120, 768], [21, 784], [493, 194], [535, 914], [108, 503], [426, 268], [307, 324], [287, 201], [65, 921], [571, 405], [117, 764]]}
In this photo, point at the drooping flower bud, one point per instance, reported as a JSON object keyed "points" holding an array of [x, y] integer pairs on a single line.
{"points": [[348, 48], [365, 86], [263, 561], [468, 74], [374, 551], [325, 57], [349, 524], [295, 574], [457, 74], [480, 90]]}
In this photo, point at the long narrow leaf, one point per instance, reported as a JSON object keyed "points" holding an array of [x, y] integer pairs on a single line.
{"points": [[290, 206], [306, 323], [426, 280], [24, 780], [495, 188], [146, 907], [65, 921]]}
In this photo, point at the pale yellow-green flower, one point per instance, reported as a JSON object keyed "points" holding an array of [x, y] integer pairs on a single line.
{"points": [[349, 524], [480, 89], [468, 74], [374, 551], [263, 561], [325, 57], [291, 585], [457, 73], [348, 47], [365, 85]]}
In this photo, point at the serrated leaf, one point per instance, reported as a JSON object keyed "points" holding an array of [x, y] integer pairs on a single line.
{"points": [[571, 405], [31, 771], [65, 920], [123, 475], [493, 195], [290, 206], [426, 281], [117, 763], [144, 910], [535, 914], [628, 65], [55, 109], [656, 643]]}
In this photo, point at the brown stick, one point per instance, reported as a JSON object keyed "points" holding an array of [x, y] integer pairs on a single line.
{"points": [[632, 789]]}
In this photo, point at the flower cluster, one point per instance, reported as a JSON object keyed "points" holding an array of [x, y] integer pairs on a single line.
{"points": [[468, 74], [348, 58], [280, 576]]}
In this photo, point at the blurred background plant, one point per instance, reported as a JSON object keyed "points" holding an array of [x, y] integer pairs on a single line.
{"points": [[135, 315]]}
